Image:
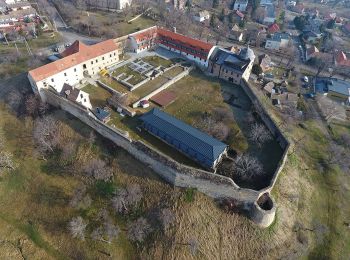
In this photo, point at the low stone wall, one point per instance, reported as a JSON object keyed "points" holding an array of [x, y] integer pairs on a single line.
{"points": [[108, 88], [212, 184], [274, 129], [163, 87]]}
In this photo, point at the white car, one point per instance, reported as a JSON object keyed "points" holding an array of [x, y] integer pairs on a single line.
{"points": [[306, 79]]}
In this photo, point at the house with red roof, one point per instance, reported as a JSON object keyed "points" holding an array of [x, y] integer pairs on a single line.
{"points": [[77, 62], [273, 28], [192, 49], [341, 59]]}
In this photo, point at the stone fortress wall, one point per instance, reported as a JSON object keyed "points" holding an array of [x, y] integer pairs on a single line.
{"points": [[258, 203]]}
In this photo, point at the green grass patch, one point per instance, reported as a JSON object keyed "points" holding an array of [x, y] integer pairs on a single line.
{"points": [[157, 61], [173, 72], [98, 95], [150, 86], [189, 195]]}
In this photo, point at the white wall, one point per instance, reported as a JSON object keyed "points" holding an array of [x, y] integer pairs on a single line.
{"points": [[73, 75], [84, 99], [240, 7], [272, 45]]}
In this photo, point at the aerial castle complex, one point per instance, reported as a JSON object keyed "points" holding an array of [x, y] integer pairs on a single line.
{"points": [[65, 83]]}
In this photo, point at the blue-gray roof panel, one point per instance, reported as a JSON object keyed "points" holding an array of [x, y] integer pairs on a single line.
{"points": [[200, 142]]}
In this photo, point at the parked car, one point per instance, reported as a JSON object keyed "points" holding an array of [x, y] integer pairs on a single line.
{"points": [[306, 79]]}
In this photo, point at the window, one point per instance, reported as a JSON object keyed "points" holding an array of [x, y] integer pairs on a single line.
{"points": [[81, 95], [75, 69], [92, 62], [65, 74], [103, 58], [110, 55], [84, 100], [52, 80], [114, 54], [84, 66], [96, 60]]}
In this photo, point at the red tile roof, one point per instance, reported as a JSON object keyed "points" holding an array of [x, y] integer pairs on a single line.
{"points": [[341, 59], [273, 28], [185, 40], [240, 14], [79, 54], [145, 34]]}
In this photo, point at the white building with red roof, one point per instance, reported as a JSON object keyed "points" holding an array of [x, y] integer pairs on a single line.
{"points": [[192, 49], [77, 62]]}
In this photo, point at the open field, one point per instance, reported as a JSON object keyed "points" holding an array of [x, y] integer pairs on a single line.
{"points": [[173, 72], [198, 94], [150, 86]]}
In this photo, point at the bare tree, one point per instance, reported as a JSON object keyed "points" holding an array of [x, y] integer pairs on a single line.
{"points": [[14, 100], [259, 134], [193, 245], [344, 139], [337, 155], [246, 167], [213, 126], [167, 218], [80, 199], [139, 230], [98, 169], [6, 161], [46, 134], [77, 227], [127, 197], [34, 106]]}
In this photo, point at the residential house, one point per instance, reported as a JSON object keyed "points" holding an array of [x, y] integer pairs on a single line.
{"points": [[311, 52], [311, 37], [76, 95], [273, 28], [232, 67], [110, 4], [270, 16], [77, 62], [201, 16], [277, 41], [269, 88], [335, 88], [265, 62], [238, 15], [341, 59], [193, 143], [236, 34], [240, 5]]}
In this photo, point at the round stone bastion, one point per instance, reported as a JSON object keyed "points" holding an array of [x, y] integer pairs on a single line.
{"points": [[263, 211]]}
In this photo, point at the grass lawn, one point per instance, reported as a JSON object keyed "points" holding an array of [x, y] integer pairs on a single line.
{"points": [[125, 28], [98, 95], [150, 86], [157, 61], [198, 94], [173, 72]]}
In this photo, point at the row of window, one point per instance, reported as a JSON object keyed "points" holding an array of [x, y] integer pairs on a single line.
{"points": [[181, 43], [182, 47]]}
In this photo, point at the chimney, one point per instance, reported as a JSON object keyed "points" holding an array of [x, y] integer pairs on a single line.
{"points": [[174, 29]]}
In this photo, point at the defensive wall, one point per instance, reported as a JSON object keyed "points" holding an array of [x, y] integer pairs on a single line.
{"points": [[211, 184]]}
